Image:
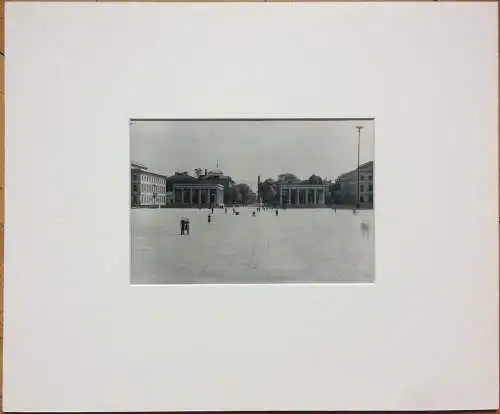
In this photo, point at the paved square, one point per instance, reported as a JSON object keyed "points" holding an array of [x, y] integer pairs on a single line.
{"points": [[298, 246]]}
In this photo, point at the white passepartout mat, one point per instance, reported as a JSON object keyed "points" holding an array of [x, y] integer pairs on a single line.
{"points": [[419, 332]]}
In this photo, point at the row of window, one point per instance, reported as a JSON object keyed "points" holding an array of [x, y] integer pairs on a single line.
{"points": [[353, 180], [150, 200], [160, 188], [362, 187], [151, 179]]}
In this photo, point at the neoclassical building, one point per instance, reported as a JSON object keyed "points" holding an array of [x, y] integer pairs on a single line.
{"points": [[303, 194], [148, 189], [198, 194], [349, 182]]}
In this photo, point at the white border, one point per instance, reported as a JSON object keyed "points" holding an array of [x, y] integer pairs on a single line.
{"points": [[78, 337]]}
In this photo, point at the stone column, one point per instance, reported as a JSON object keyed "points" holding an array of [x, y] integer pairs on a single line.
{"points": [[173, 194], [322, 196], [289, 196], [190, 196], [315, 196], [298, 197], [199, 195]]}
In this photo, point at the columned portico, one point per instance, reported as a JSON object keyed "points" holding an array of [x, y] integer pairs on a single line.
{"points": [[210, 195], [299, 195]]}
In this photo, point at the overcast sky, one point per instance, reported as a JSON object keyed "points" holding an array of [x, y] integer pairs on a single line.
{"points": [[246, 149]]}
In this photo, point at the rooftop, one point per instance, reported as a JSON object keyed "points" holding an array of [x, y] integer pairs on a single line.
{"points": [[137, 165], [365, 165]]}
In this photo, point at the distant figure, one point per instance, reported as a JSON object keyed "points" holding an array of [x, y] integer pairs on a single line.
{"points": [[335, 209], [277, 212], [183, 226], [237, 213], [365, 230], [212, 210], [225, 210], [186, 226], [209, 218], [253, 213]]}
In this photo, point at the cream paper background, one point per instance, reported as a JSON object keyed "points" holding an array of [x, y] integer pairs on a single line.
{"points": [[79, 337]]}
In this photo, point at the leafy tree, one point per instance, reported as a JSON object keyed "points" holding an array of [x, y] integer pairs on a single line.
{"points": [[334, 196], [315, 179], [270, 195], [231, 195], [243, 189], [269, 191], [287, 177], [198, 172]]}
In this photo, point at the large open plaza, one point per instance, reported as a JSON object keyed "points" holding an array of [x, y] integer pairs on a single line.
{"points": [[297, 246]]}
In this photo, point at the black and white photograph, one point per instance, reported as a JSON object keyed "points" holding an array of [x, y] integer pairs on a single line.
{"points": [[252, 201]]}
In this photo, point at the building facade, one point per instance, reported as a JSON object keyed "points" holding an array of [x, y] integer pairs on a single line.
{"points": [[303, 195], [349, 181], [148, 189], [198, 195]]}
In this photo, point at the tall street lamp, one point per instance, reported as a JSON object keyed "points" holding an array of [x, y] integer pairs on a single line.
{"points": [[359, 128]]}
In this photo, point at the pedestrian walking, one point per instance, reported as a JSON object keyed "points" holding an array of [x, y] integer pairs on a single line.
{"points": [[183, 226], [365, 230], [277, 212], [186, 226], [209, 218]]}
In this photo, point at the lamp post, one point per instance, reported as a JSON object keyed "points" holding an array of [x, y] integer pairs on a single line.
{"points": [[359, 128]]}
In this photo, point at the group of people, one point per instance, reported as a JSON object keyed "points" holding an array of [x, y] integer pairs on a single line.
{"points": [[264, 208], [184, 226], [185, 221]]}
